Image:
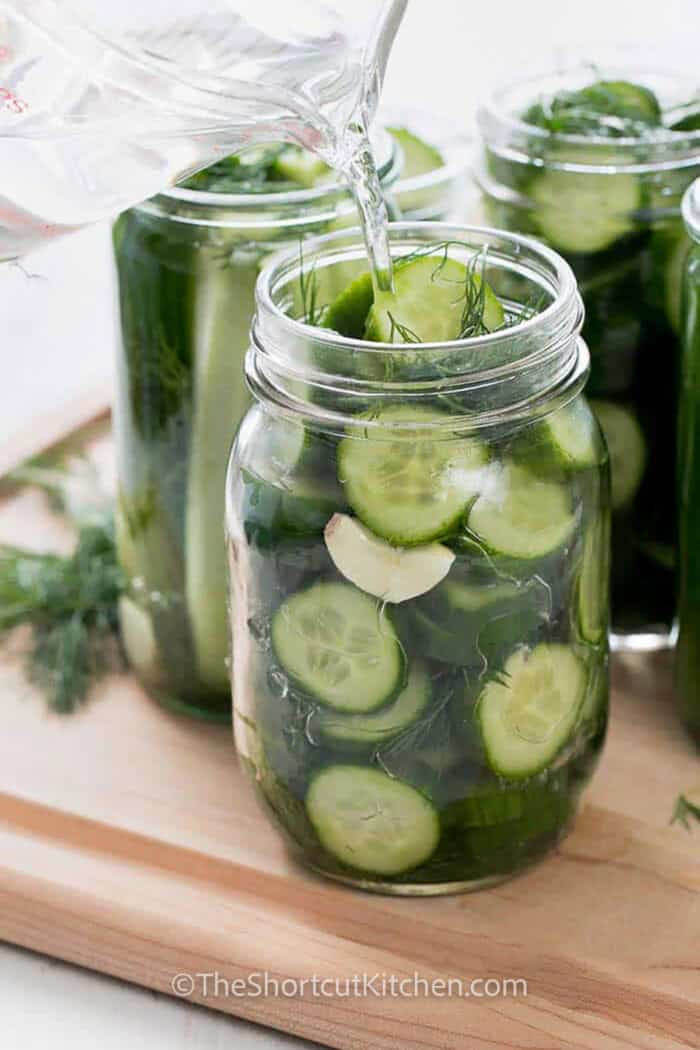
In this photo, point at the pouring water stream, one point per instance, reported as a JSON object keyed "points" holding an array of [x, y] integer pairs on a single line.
{"points": [[102, 107]]}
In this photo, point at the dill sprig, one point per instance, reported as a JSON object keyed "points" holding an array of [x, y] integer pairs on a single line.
{"points": [[308, 289], [473, 323], [69, 602], [397, 328], [685, 812]]}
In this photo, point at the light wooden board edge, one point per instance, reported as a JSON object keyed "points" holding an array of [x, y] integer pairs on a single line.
{"points": [[51, 428]]}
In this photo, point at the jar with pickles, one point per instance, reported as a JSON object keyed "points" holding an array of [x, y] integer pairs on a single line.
{"points": [[688, 646], [187, 263], [594, 159], [418, 531]]}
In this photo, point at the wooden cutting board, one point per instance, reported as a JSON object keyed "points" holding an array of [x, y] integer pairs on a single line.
{"points": [[130, 843]]}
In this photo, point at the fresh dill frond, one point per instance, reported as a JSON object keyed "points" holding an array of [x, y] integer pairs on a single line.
{"points": [[308, 289], [472, 323], [397, 328], [527, 310], [685, 812], [71, 604]]}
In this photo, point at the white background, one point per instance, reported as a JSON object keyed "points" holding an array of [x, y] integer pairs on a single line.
{"points": [[57, 340]]}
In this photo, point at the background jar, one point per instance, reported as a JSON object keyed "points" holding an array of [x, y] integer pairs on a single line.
{"points": [[332, 414], [612, 207], [688, 645], [187, 263]]}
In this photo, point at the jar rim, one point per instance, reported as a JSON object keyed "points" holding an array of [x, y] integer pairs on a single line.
{"points": [[564, 276], [547, 343]]}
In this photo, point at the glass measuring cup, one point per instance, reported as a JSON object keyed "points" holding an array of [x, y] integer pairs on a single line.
{"points": [[102, 105]]}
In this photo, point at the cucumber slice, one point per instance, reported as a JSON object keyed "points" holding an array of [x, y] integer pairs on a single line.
{"points": [[223, 311], [339, 646], [432, 297], [593, 584], [419, 157], [626, 450], [566, 440], [527, 716], [584, 212], [410, 485], [522, 516], [347, 314], [370, 821], [628, 100], [370, 730], [300, 166], [393, 574]]}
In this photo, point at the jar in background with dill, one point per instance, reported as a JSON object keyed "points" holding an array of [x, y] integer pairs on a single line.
{"points": [[688, 645], [594, 159], [418, 552], [187, 263]]}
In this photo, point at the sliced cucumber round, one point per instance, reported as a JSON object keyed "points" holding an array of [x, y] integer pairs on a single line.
{"points": [[300, 166], [629, 100], [522, 516], [370, 821], [347, 314], [339, 645], [419, 157], [394, 574], [566, 440], [626, 449], [527, 715], [584, 212], [433, 298], [410, 485], [373, 729]]}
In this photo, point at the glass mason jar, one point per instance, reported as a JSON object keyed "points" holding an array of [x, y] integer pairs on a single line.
{"points": [[688, 645], [419, 719], [187, 263], [611, 206]]}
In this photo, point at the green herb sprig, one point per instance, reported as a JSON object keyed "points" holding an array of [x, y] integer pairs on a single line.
{"points": [[685, 812], [69, 602]]}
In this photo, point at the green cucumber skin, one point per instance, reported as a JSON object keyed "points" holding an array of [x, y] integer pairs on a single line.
{"points": [[224, 298], [152, 426]]}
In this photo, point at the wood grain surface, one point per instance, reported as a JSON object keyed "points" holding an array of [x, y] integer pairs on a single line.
{"points": [[130, 843]]}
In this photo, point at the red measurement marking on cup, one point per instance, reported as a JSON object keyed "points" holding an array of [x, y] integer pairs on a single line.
{"points": [[12, 102], [5, 53]]}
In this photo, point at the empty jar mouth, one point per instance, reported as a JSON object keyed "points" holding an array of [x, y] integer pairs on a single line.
{"points": [[537, 356], [501, 125]]}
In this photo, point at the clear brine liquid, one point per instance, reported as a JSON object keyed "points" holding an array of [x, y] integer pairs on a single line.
{"points": [[89, 128]]}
